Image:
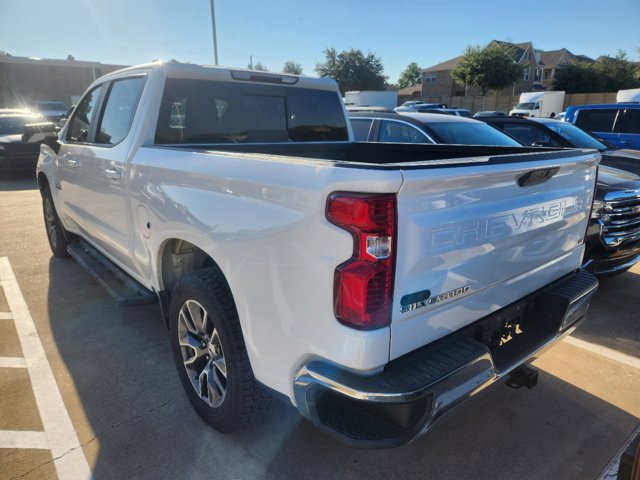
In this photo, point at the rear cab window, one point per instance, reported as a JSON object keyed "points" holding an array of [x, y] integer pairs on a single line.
{"points": [[212, 111]]}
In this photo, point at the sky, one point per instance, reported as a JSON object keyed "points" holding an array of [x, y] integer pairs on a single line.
{"points": [[128, 32]]}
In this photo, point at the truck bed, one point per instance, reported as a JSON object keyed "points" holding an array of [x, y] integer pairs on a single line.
{"points": [[390, 155]]}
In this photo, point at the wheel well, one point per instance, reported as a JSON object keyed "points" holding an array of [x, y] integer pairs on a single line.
{"points": [[43, 182], [180, 257]]}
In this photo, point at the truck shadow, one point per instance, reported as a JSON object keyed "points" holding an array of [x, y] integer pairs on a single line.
{"points": [[141, 425], [613, 319]]}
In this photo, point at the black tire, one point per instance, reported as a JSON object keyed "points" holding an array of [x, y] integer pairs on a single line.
{"points": [[243, 400], [56, 234]]}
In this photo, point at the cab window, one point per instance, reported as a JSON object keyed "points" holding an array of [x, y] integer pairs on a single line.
{"points": [[597, 120], [392, 131], [118, 111], [361, 128], [83, 115]]}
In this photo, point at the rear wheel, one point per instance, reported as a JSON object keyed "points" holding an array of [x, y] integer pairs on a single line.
{"points": [[56, 234], [210, 354]]}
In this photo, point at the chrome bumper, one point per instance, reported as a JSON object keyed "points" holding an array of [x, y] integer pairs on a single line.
{"points": [[394, 407]]}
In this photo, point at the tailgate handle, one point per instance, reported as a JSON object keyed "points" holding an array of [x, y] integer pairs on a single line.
{"points": [[536, 177]]}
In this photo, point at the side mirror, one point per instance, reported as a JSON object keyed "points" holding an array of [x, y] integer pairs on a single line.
{"points": [[39, 133]]}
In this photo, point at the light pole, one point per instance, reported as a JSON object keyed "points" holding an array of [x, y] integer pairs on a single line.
{"points": [[213, 27]]}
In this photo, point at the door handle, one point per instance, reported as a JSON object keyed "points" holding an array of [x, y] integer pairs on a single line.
{"points": [[113, 174], [73, 163]]}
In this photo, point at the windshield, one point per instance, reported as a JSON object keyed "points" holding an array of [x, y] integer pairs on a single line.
{"points": [[43, 106], [471, 134], [575, 135], [13, 124], [527, 106]]}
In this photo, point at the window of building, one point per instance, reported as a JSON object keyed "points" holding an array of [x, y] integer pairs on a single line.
{"points": [[538, 73], [527, 55], [547, 74], [527, 71], [430, 77]]}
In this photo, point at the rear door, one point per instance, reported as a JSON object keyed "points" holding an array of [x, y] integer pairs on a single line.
{"points": [[473, 239], [105, 168]]}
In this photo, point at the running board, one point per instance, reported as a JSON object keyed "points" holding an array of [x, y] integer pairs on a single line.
{"points": [[124, 289]]}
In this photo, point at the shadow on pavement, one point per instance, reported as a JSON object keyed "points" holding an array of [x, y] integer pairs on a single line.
{"points": [[17, 181], [142, 426], [614, 315]]}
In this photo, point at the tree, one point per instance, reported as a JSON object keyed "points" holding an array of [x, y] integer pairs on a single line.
{"points": [[257, 66], [292, 67], [617, 73], [490, 68], [412, 75], [579, 77], [607, 74], [352, 70]]}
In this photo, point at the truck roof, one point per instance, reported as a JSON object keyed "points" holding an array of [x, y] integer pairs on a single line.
{"points": [[535, 96], [210, 72]]}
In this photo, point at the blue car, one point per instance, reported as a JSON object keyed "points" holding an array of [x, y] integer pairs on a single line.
{"points": [[617, 123]]}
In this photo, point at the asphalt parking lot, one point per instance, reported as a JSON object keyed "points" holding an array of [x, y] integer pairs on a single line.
{"points": [[117, 384]]}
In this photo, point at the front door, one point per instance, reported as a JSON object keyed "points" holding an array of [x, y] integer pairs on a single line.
{"points": [[70, 158]]}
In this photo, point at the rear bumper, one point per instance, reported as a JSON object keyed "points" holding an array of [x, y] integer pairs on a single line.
{"points": [[395, 406]]}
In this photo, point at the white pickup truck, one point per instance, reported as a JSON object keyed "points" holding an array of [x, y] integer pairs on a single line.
{"points": [[374, 286]]}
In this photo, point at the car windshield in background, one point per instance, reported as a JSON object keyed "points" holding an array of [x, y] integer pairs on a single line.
{"points": [[525, 106], [14, 124], [575, 135], [207, 111], [44, 106], [468, 133]]}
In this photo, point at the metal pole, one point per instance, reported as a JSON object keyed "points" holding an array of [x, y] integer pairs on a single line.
{"points": [[213, 27]]}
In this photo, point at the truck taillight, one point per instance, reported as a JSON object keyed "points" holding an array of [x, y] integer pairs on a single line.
{"points": [[363, 285]]}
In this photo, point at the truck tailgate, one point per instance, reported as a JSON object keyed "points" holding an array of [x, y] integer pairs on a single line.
{"points": [[473, 238]]}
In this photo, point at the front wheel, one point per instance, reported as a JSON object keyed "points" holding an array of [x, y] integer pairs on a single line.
{"points": [[210, 354], [56, 234]]}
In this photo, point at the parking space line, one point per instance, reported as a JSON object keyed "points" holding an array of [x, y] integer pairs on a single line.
{"points": [[66, 450], [24, 439], [604, 352], [12, 362], [6, 316]]}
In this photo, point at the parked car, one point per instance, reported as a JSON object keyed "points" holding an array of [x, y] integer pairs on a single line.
{"points": [[458, 112], [617, 123], [613, 243], [374, 287], [410, 127], [419, 106], [52, 111], [552, 133], [490, 113], [16, 155]]}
